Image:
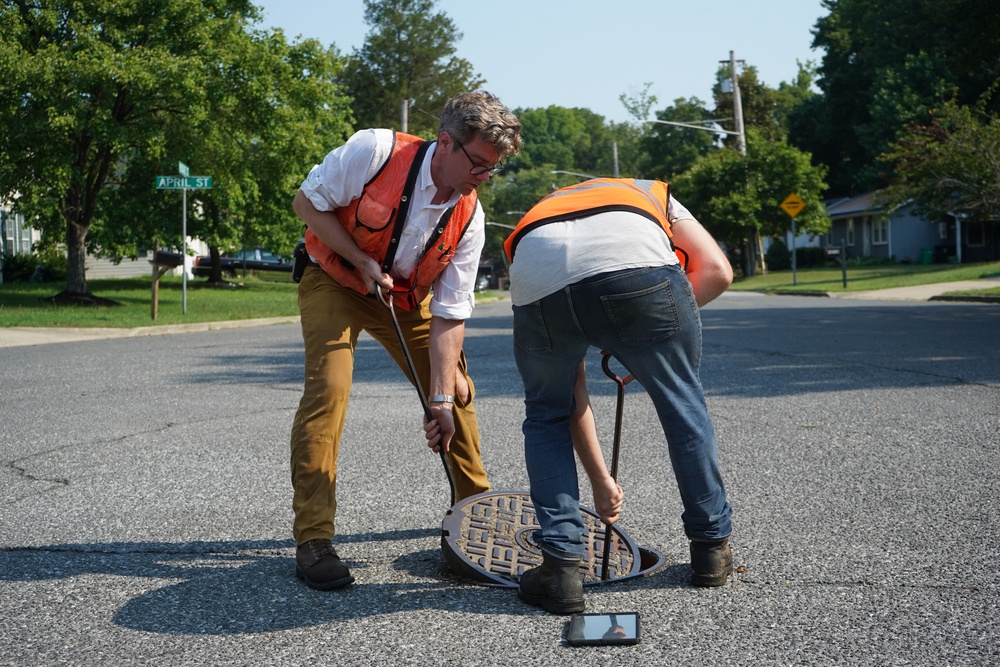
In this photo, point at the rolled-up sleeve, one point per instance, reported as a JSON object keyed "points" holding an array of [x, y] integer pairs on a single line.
{"points": [[341, 177]]}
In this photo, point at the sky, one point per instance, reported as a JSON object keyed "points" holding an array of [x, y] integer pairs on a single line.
{"points": [[587, 53]]}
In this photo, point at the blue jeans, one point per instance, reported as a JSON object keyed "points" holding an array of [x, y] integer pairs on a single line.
{"points": [[648, 320]]}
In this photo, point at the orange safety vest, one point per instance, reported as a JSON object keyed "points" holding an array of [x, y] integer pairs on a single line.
{"points": [[600, 195], [375, 221]]}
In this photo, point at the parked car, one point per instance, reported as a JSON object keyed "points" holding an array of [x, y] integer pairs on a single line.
{"points": [[249, 260], [491, 276]]}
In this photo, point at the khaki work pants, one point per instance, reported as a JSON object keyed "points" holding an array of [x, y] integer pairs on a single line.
{"points": [[333, 317]]}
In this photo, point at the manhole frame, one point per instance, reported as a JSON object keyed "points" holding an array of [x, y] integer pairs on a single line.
{"points": [[486, 539]]}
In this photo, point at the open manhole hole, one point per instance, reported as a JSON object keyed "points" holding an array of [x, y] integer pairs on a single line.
{"points": [[489, 538]]}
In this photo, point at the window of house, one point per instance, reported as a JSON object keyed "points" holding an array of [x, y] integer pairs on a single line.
{"points": [[880, 231]]}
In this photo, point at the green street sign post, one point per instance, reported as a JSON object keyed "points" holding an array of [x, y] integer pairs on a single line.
{"points": [[184, 182]]}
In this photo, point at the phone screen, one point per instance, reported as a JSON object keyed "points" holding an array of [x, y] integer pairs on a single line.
{"points": [[603, 629]]}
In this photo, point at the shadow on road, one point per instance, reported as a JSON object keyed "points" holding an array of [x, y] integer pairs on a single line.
{"points": [[246, 587]]}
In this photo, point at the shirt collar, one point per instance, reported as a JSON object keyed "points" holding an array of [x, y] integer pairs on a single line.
{"points": [[425, 182]]}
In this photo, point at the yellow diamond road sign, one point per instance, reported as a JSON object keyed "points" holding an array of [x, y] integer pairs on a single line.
{"points": [[792, 205]]}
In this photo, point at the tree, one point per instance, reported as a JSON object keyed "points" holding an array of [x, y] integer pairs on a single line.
{"points": [[408, 55], [274, 111], [758, 102], [673, 149], [950, 166], [738, 197], [791, 96], [85, 86], [565, 139], [886, 65]]}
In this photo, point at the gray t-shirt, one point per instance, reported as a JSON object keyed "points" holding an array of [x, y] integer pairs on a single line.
{"points": [[558, 254]]}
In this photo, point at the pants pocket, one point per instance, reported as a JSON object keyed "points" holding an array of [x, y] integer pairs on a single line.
{"points": [[645, 316], [530, 333]]}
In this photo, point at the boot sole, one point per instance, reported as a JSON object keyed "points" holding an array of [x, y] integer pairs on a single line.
{"points": [[323, 585], [563, 607], [710, 580]]}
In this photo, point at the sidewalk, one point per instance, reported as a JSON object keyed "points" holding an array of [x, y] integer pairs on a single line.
{"points": [[926, 292], [16, 336]]}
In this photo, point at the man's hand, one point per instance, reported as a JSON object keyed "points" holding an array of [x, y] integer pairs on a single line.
{"points": [[608, 497], [440, 430], [372, 274]]}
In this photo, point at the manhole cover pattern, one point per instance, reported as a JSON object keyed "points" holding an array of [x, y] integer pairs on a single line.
{"points": [[491, 537]]}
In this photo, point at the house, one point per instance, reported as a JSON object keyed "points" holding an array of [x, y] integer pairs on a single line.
{"points": [[858, 224], [16, 238], [19, 238]]}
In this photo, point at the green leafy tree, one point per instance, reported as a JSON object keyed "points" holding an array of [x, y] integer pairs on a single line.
{"points": [[673, 149], [565, 139], [792, 95], [738, 197], [408, 55], [85, 86], [758, 102], [950, 166], [276, 111], [886, 64]]}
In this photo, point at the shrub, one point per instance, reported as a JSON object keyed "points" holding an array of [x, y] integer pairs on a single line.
{"points": [[778, 257], [18, 268], [45, 265], [806, 258]]}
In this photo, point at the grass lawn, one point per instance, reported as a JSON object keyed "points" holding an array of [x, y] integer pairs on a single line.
{"points": [[257, 296], [868, 277], [23, 305]]}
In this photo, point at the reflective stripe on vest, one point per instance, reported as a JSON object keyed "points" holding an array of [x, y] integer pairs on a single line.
{"points": [[600, 195]]}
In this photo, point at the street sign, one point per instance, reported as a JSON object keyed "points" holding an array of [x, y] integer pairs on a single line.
{"points": [[182, 169], [183, 183], [792, 205]]}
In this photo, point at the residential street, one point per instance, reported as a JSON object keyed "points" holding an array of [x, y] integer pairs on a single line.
{"points": [[145, 500]]}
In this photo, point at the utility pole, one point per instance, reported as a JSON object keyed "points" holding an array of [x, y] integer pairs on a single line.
{"points": [[741, 139], [741, 144]]}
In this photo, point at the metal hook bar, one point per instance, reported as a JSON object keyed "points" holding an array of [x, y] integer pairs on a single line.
{"points": [[619, 411]]}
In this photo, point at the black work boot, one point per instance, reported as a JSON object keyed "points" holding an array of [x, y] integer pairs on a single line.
{"points": [[712, 562], [319, 566], [556, 585]]}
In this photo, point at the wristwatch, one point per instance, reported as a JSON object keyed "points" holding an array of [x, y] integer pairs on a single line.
{"points": [[440, 398]]}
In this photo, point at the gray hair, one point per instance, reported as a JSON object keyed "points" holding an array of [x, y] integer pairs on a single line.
{"points": [[480, 114]]}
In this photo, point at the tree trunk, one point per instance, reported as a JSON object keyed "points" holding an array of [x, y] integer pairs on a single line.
{"points": [[749, 259], [215, 276], [76, 256]]}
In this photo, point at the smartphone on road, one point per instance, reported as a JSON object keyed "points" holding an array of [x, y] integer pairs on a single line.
{"points": [[603, 629]]}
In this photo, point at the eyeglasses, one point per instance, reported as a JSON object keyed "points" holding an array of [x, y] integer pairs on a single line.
{"points": [[480, 169]]}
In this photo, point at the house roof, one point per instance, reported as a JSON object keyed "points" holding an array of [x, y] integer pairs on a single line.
{"points": [[853, 205]]}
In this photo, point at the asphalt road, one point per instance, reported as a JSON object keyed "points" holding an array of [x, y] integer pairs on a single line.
{"points": [[144, 501]]}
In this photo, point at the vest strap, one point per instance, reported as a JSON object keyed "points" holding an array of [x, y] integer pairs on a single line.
{"points": [[404, 207]]}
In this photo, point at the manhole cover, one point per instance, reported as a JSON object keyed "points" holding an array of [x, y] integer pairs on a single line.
{"points": [[489, 538]]}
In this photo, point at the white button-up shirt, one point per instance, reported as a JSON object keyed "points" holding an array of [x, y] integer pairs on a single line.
{"points": [[341, 178]]}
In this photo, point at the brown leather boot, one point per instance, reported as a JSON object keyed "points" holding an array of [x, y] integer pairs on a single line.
{"points": [[712, 562], [319, 566], [556, 585]]}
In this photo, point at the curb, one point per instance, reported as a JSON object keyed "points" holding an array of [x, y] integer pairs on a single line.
{"points": [[967, 298], [794, 293]]}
